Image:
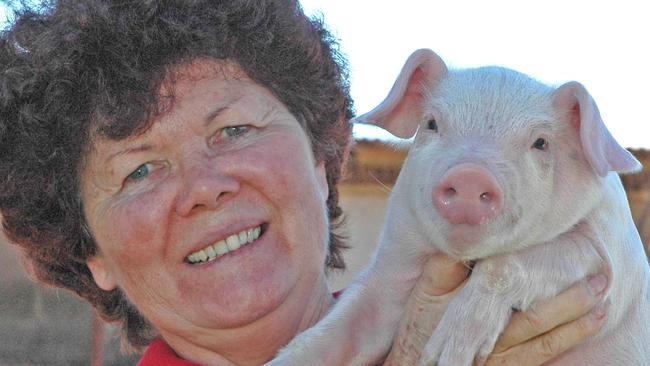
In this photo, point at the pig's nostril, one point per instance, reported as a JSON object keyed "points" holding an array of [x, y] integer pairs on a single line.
{"points": [[450, 192], [468, 194]]}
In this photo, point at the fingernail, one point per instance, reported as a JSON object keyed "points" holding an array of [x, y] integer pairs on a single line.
{"points": [[599, 311], [597, 284]]}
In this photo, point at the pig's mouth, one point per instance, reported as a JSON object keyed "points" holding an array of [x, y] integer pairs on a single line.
{"points": [[464, 239], [469, 242]]}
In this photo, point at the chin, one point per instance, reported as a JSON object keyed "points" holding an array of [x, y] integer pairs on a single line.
{"points": [[467, 242], [461, 238], [240, 308], [237, 302]]}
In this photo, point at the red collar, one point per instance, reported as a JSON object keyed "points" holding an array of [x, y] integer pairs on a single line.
{"points": [[159, 353]]}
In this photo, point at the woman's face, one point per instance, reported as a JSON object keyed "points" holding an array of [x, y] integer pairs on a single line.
{"points": [[225, 162]]}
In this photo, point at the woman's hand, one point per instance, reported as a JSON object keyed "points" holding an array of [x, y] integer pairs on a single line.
{"points": [[546, 331], [531, 338], [441, 279]]}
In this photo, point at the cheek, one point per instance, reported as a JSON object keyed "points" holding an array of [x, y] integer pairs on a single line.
{"points": [[282, 168], [286, 175], [570, 164], [546, 166], [569, 174], [527, 183], [423, 170], [132, 226]]}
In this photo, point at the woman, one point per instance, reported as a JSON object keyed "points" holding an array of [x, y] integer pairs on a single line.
{"points": [[175, 164]]}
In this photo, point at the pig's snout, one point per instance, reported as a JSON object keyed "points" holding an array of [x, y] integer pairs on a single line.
{"points": [[468, 194]]}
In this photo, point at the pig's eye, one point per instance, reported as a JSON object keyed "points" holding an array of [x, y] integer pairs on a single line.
{"points": [[540, 144], [432, 125]]}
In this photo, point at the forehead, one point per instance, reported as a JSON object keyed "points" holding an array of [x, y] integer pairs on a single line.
{"points": [[203, 81], [182, 79], [136, 115], [492, 99], [195, 91]]}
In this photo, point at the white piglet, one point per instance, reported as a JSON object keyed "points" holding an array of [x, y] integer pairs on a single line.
{"points": [[515, 175]]}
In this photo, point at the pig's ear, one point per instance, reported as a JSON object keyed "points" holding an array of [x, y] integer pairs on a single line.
{"points": [[401, 111], [601, 150]]}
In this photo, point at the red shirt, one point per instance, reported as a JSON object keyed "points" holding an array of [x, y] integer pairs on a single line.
{"points": [[160, 354]]}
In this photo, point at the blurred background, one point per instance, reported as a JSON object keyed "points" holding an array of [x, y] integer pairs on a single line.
{"points": [[599, 43]]}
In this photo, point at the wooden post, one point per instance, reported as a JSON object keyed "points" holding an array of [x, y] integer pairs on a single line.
{"points": [[97, 356]]}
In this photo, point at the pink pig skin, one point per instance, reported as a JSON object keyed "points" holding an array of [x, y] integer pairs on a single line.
{"points": [[468, 194], [559, 214]]}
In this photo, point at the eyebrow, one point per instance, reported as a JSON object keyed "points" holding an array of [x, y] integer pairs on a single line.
{"points": [[544, 125], [214, 114], [219, 110], [131, 150]]}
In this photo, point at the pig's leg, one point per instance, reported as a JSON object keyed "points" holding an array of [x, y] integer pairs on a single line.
{"points": [[360, 328], [358, 331], [476, 317]]}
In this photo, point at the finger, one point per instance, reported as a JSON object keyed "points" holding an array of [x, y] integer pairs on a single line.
{"points": [[550, 345], [441, 279], [441, 275], [567, 306]]}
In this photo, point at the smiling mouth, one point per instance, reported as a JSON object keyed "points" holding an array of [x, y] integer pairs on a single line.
{"points": [[223, 247]]}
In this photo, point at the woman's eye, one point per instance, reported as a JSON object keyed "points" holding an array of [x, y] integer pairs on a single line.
{"points": [[140, 173], [540, 144], [432, 125], [234, 131]]}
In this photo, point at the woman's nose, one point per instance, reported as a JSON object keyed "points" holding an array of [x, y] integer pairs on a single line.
{"points": [[204, 187]]}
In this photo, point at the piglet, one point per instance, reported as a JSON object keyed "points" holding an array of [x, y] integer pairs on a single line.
{"points": [[510, 173]]}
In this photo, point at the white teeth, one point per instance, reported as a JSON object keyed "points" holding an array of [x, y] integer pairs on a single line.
{"points": [[210, 251], [202, 255], [222, 247], [233, 242]]}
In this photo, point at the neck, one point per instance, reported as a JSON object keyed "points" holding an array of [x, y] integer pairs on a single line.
{"points": [[256, 343]]}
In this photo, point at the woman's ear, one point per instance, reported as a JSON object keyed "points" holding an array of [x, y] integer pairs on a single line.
{"points": [[101, 273], [321, 177]]}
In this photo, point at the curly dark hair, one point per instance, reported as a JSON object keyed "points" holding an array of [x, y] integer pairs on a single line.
{"points": [[75, 68]]}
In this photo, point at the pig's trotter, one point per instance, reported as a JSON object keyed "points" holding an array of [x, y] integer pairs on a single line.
{"points": [[474, 320]]}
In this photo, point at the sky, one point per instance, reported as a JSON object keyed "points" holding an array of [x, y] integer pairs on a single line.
{"points": [[605, 45]]}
